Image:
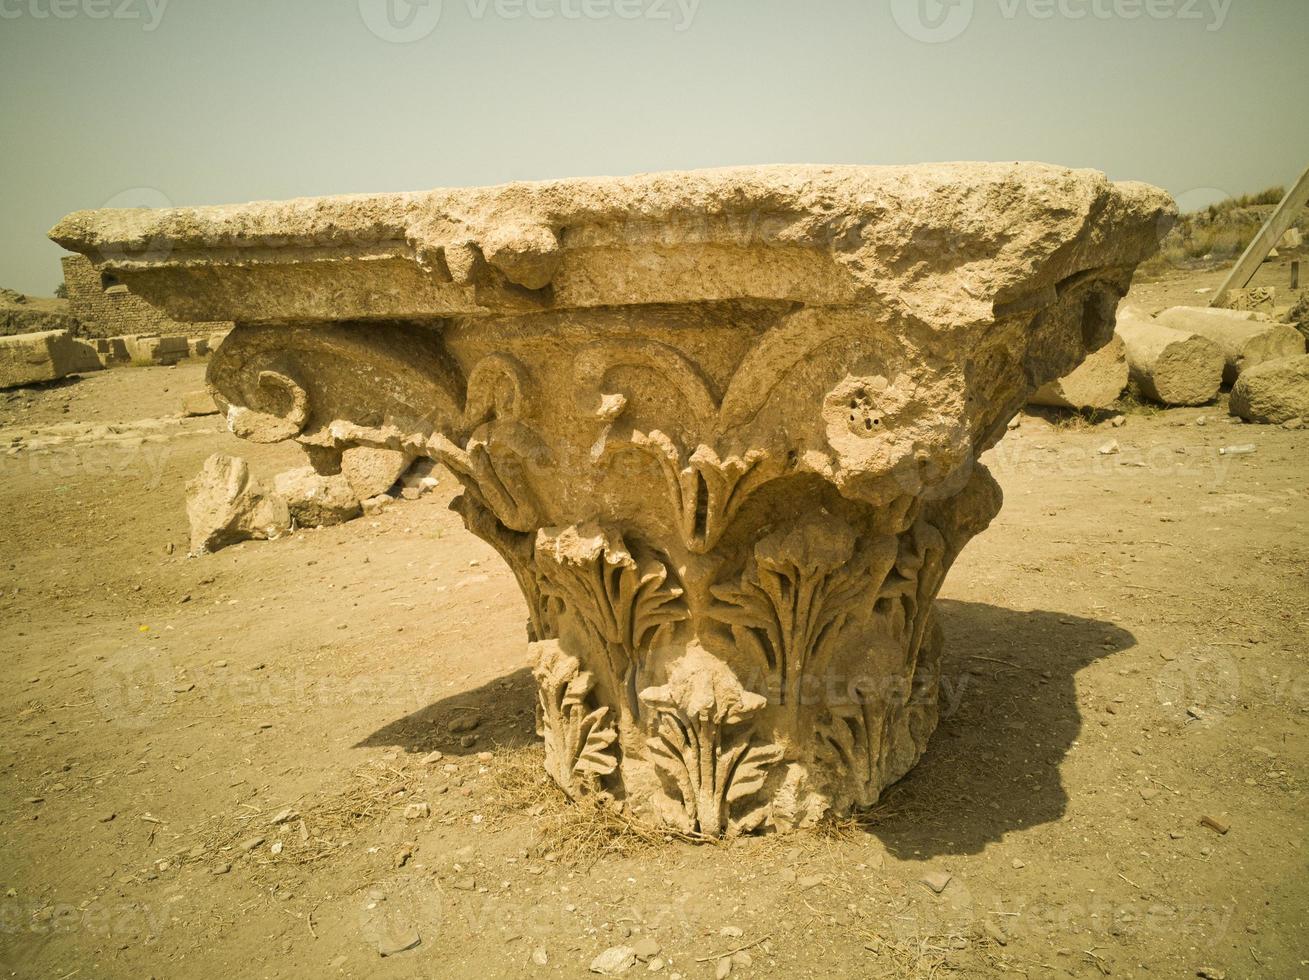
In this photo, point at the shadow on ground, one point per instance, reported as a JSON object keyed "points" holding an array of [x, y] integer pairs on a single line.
{"points": [[1009, 714], [505, 709]]}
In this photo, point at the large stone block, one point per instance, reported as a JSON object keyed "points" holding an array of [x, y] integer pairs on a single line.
{"points": [[147, 350], [1172, 367], [30, 358], [724, 426], [1274, 391], [1096, 383], [1246, 338], [224, 505]]}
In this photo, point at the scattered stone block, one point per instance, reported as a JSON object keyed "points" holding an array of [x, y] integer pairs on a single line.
{"points": [[225, 505], [1274, 391], [1172, 367], [197, 346], [372, 471], [1261, 299], [85, 357], [30, 358], [1246, 337], [145, 350], [1094, 384], [195, 403], [315, 500]]}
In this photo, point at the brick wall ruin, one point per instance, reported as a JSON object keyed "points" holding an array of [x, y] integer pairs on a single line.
{"points": [[106, 309]]}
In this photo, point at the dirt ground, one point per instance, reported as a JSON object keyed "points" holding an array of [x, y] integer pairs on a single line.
{"points": [[218, 766]]}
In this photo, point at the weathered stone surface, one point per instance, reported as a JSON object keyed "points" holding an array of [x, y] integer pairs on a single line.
{"points": [[112, 350], [1261, 299], [1246, 338], [1096, 383], [224, 506], [723, 426], [371, 470], [145, 350], [199, 403], [1298, 316], [1172, 367], [106, 308], [315, 500], [1274, 391], [85, 358], [35, 357]]}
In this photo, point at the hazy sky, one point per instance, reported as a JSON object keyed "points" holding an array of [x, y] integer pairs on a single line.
{"points": [[129, 102]]}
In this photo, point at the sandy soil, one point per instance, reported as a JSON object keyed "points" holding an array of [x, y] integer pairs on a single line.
{"points": [[1126, 656]]}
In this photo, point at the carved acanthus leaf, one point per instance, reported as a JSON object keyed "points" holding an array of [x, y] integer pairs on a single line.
{"points": [[791, 603], [579, 742], [711, 767], [609, 600]]}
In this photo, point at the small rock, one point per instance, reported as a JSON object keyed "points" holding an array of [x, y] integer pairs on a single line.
{"points": [[996, 933], [936, 880], [465, 722], [1118, 421], [540, 957], [431, 757], [656, 964], [743, 959], [1019, 865], [284, 816], [222, 869], [1214, 824], [731, 932], [1110, 448], [276, 847], [106, 817], [418, 811], [465, 884], [1209, 973], [467, 741], [1015, 422], [1111, 708], [1149, 793], [250, 844], [614, 961], [1293, 424], [724, 968], [646, 948]]}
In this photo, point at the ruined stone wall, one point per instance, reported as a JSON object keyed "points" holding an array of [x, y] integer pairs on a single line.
{"points": [[107, 309]]}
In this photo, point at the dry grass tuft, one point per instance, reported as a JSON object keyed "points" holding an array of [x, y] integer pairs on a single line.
{"points": [[574, 831]]}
